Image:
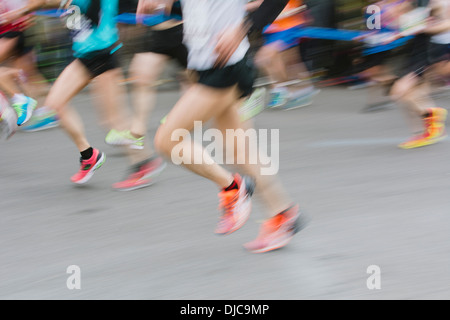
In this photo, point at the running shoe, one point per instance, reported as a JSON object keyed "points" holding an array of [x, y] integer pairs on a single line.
{"points": [[42, 119], [24, 109], [235, 205], [124, 138], [302, 100], [435, 123], [278, 98], [434, 130], [88, 167], [278, 231], [142, 175], [8, 119], [253, 105]]}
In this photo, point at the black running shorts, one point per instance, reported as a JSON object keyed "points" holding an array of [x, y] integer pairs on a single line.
{"points": [[99, 62], [242, 74], [167, 42], [424, 54], [21, 48]]}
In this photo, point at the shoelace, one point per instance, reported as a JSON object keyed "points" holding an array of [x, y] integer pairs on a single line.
{"points": [[84, 165]]}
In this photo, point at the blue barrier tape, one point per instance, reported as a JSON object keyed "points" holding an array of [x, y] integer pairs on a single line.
{"points": [[307, 32]]}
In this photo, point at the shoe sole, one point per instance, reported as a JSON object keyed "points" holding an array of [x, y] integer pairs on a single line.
{"points": [[129, 144], [142, 186], [428, 143], [91, 172], [296, 104], [277, 246], [119, 144], [45, 127], [302, 105], [133, 147]]}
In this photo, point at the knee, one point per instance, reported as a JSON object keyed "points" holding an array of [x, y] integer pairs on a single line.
{"points": [[404, 88], [162, 142], [144, 76], [399, 91], [54, 105]]}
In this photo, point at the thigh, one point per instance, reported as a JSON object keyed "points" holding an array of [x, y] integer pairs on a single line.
{"points": [[69, 83], [7, 48], [147, 67], [199, 103]]}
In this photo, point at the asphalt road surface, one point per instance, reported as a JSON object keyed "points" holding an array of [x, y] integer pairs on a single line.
{"points": [[371, 204]]}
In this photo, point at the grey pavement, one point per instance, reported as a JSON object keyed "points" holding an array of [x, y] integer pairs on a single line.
{"points": [[371, 204]]}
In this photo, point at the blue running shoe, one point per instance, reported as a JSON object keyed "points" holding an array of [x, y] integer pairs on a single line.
{"points": [[300, 101], [24, 108], [278, 98], [42, 119]]}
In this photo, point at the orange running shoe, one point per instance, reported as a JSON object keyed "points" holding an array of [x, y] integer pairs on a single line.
{"points": [[236, 205], [434, 130], [435, 123], [88, 167], [278, 231]]}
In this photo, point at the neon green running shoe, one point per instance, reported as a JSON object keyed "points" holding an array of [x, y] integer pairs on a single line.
{"points": [[124, 138], [253, 105]]}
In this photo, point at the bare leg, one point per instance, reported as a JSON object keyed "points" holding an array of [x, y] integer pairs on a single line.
{"points": [[417, 96], [414, 94], [269, 188], [71, 81], [282, 66], [146, 68], [111, 100], [295, 68], [400, 92], [7, 48], [199, 103], [35, 85], [269, 59], [8, 81]]}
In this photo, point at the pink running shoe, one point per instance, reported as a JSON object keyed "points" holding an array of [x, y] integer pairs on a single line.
{"points": [[88, 167], [142, 175]]}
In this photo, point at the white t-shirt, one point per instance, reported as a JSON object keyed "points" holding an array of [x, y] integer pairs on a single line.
{"points": [[444, 37], [204, 22], [9, 5]]}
